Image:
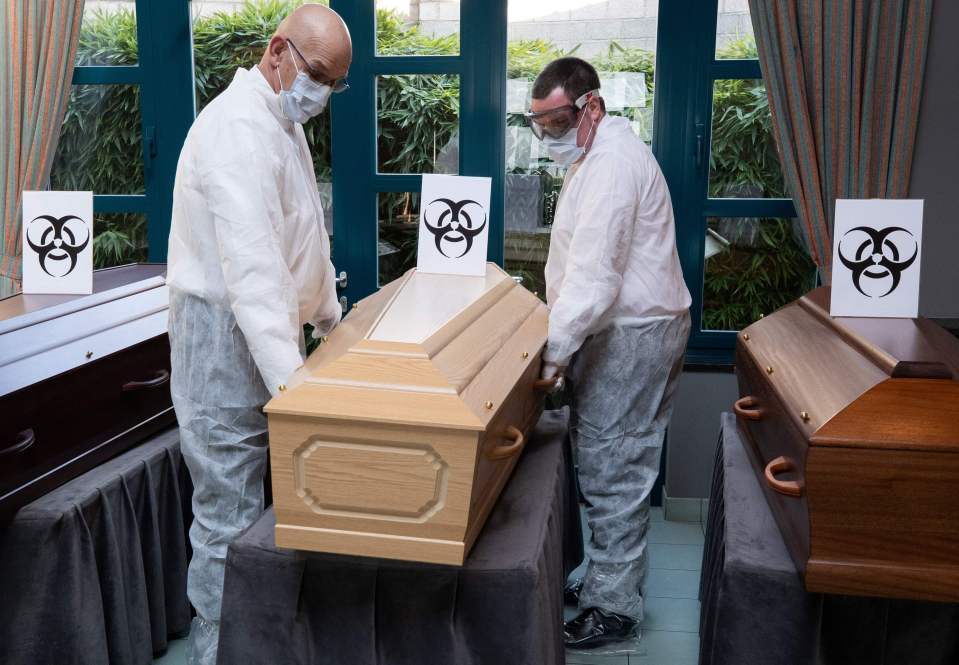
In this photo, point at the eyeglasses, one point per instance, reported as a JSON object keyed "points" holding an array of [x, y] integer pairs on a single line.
{"points": [[339, 85], [555, 122]]}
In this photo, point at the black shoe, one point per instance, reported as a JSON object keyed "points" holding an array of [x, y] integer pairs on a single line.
{"points": [[594, 628], [571, 592]]}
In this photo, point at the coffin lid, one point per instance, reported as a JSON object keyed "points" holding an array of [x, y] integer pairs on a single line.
{"points": [[860, 382], [409, 353]]}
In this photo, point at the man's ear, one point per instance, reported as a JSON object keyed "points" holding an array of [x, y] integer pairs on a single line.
{"points": [[595, 109], [276, 48]]}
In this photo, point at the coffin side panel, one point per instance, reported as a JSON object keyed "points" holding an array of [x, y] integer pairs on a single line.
{"points": [[768, 438], [369, 478], [884, 522], [521, 410]]}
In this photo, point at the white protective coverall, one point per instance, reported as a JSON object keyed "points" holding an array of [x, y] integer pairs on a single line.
{"points": [[249, 264], [619, 318]]}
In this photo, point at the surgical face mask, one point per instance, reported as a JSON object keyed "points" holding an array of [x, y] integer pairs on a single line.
{"points": [[564, 150], [305, 99]]}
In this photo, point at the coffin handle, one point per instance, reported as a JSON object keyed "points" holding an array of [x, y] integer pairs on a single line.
{"points": [[502, 452], [162, 376], [25, 439], [743, 408], [786, 487]]}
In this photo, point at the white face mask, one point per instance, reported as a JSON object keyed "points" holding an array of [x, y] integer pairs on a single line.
{"points": [[305, 99], [564, 150]]}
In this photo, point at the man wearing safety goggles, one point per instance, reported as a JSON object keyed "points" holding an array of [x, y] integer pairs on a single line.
{"points": [[618, 326]]}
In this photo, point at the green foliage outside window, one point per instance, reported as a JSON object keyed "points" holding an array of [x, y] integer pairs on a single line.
{"points": [[101, 137]]}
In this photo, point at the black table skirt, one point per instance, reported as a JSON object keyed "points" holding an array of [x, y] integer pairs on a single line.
{"points": [[503, 607], [94, 573], [754, 607]]}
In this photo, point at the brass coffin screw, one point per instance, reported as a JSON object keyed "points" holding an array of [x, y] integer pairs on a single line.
{"points": [[89, 354], [488, 405], [324, 339], [356, 306], [282, 387], [805, 416], [769, 369], [525, 355], [746, 337]]}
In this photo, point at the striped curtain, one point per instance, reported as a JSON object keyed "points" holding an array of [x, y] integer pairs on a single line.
{"points": [[844, 79], [39, 40]]}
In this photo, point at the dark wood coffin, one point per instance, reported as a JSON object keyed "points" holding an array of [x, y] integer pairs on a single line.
{"points": [[82, 378], [853, 428]]}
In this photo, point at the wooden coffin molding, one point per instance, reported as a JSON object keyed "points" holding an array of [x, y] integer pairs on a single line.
{"points": [[852, 426], [397, 436], [82, 379]]}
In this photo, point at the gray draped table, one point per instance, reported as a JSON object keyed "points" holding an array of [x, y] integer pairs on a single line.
{"points": [[94, 573], [755, 609], [503, 607]]}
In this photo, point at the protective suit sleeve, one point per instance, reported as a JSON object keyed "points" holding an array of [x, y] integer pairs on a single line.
{"points": [[605, 214], [241, 185]]}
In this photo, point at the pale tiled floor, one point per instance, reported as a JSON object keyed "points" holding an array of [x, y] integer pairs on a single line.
{"points": [[670, 631]]}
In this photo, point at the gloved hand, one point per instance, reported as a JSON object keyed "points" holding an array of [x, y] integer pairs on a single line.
{"points": [[553, 371], [323, 327]]}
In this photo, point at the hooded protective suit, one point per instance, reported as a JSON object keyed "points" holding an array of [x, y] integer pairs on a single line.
{"points": [[619, 318], [249, 264]]}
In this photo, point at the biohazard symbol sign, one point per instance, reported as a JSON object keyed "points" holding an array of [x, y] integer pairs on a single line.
{"points": [[58, 241], [878, 255], [454, 224]]}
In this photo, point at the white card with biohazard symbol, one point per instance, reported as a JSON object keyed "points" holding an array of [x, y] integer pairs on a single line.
{"points": [[877, 251], [454, 225], [58, 242]]}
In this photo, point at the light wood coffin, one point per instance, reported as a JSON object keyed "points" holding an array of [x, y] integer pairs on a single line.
{"points": [[405, 424], [853, 427]]}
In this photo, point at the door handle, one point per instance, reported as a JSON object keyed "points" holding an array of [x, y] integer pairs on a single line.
{"points": [[700, 144], [341, 280]]}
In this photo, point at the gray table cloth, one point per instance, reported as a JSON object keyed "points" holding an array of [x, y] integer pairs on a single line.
{"points": [[503, 607], [94, 573], [755, 609]]}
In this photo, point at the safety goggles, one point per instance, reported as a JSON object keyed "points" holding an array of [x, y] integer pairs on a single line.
{"points": [[339, 85], [557, 121]]}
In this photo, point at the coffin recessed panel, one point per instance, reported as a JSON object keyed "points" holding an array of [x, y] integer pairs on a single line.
{"points": [[374, 481]]}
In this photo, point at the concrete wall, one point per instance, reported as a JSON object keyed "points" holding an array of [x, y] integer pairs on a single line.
{"points": [[935, 168], [694, 429]]}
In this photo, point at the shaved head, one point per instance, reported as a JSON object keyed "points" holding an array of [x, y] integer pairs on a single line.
{"points": [[322, 39]]}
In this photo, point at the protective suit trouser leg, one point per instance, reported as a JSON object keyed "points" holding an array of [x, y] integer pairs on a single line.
{"points": [[623, 381], [218, 397]]}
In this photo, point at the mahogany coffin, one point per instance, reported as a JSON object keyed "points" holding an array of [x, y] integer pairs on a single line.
{"points": [[82, 378], [399, 433], [853, 428]]}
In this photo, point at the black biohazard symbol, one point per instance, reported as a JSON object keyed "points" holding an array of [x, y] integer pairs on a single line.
{"points": [[455, 223], [877, 257], [56, 240]]}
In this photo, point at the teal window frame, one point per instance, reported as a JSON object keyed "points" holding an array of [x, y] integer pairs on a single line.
{"points": [[164, 75]]}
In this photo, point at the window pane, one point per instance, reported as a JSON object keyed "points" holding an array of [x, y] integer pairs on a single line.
{"points": [[417, 124], [743, 160], [734, 31], [398, 216], [101, 141], [228, 34], [417, 27], [619, 39], [119, 239], [752, 267], [108, 33]]}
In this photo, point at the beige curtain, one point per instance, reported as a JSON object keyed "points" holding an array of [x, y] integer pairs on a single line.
{"points": [[39, 39]]}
